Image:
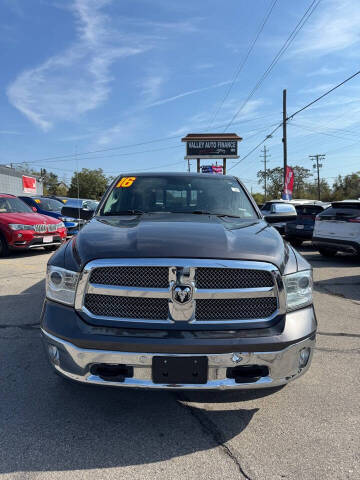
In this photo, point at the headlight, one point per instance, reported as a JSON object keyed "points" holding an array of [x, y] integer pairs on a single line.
{"points": [[68, 219], [298, 287], [60, 225], [61, 284], [19, 226]]}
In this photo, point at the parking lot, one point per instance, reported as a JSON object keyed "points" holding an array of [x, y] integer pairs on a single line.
{"points": [[306, 430]]}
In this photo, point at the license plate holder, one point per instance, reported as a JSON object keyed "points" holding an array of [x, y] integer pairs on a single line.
{"points": [[47, 239], [180, 370]]}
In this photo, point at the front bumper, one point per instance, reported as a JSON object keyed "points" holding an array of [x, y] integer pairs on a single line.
{"points": [[76, 364], [36, 241]]}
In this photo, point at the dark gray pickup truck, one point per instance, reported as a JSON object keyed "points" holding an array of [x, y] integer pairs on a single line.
{"points": [[177, 281]]}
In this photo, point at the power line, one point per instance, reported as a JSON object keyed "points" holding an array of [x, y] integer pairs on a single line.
{"points": [[324, 94], [310, 10], [244, 60], [296, 113], [163, 139], [318, 165], [265, 156]]}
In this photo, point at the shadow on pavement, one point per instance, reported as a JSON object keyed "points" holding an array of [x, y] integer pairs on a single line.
{"points": [[345, 287], [319, 261]]}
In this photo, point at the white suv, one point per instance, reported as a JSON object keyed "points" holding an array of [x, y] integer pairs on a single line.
{"points": [[338, 228]]}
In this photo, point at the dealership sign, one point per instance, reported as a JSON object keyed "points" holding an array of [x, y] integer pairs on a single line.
{"points": [[289, 184], [29, 184], [223, 148]]}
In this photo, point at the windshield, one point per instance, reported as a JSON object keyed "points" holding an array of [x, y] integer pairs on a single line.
{"points": [[49, 204], [13, 205], [179, 194]]}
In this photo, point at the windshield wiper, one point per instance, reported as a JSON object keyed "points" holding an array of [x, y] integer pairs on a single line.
{"points": [[124, 212]]}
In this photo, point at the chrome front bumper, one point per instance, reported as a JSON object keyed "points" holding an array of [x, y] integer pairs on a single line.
{"points": [[75, 363]]}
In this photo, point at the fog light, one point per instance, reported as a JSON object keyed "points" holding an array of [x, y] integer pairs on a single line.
{"points": [[54, 354], [304, 357], [19, 235]]}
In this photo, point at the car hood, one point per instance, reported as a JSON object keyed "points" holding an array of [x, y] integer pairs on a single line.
{"points": [[179, 236], [26, 218]]}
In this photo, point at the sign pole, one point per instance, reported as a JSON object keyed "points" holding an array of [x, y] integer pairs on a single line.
{"points": [[198, 165], [224, 166]]}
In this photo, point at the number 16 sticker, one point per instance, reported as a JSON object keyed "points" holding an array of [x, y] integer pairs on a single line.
{"points": [[126, 182]]}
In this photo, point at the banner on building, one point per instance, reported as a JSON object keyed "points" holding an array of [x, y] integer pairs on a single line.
{"points": [[29, 184], [289, 184]]}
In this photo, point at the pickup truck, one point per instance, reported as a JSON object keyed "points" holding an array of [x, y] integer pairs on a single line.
{"points": [[177, 281]]}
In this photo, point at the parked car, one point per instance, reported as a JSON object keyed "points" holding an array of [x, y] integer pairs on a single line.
{"points": [[81, 203], [21, 228], [178, 282], [301, 229], [52, 207], [278, 213], [337, 229]]}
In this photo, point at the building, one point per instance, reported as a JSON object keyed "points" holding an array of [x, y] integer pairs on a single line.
{"points": [[16, 182]]}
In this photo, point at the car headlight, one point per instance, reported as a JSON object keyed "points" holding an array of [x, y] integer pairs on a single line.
{"points": [[61, 225], [20, 226], [68, 219], [61, 284], [298, 287]]}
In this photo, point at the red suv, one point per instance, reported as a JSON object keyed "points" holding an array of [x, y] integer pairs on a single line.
{"points": [[21, 228]]}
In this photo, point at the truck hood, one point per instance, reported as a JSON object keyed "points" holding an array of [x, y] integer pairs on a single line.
{"points": [[178, 236]]}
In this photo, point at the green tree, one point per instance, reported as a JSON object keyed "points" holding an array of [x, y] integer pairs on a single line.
{"points": [[88, 184], [259, 198], [275, 181], [347, 187]]}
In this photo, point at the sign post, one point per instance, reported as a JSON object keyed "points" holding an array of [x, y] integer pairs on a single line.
{"points": [[211, 146]]}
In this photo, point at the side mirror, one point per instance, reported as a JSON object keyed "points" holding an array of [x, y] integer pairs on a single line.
{"points": [[77, 213]]}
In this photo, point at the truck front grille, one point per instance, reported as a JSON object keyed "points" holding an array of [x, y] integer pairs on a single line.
{"points": [[155, 277], [215, 278], [127, 307], [235, 309], [180, 290]]}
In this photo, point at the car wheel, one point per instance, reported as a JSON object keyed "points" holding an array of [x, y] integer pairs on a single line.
{"points": [[295, 242], [4, 249], [327, 252], [51, 248]]}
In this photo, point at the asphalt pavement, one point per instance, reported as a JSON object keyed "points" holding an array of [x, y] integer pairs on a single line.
{"points": [[51, 429]]}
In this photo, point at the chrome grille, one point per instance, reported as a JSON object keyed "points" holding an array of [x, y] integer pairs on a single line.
{"points": [[150, 277], [40, 228], [140, 290], [52, 227], [127, 307], [235, 309], [216, 278]]}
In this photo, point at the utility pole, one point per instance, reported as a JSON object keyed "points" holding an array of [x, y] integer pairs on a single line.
{"points": [[265, 156], [284, 139], [188, 167], [317, 165]]}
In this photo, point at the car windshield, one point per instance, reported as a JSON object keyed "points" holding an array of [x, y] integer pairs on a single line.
{"points": [[49, 204], [13, 205], [179, 194]]}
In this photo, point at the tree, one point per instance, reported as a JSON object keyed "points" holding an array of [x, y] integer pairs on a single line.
{"points": [[275, 181], [88, 184], [259, 198], [347, 187]]}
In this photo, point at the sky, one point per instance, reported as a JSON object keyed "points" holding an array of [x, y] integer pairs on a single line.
{"points": [[126, 79]]}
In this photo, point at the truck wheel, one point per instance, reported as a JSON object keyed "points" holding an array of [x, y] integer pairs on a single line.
{"points": [[51, 248], [327, 252], [295, 242], [4, 249]]}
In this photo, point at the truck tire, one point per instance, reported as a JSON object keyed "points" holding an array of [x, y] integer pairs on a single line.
{"points": [[4, 249], [327, 252], [296, 242]]}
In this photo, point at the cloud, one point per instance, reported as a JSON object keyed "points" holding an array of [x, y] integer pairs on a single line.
{"points": [[325, 71], [318, 88], [187, 93], [151, 87], [334, 28], [121, 131], [9, 132], [78, 79]]}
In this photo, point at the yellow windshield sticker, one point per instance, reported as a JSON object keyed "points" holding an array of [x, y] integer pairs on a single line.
{"points": [[126, 182], [37, 200]]}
